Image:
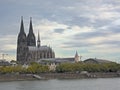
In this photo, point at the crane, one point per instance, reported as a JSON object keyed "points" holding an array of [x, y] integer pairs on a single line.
{"points": [[3, 55]]}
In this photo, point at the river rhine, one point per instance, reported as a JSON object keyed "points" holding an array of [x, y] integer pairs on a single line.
{"points": [[71, 84]]}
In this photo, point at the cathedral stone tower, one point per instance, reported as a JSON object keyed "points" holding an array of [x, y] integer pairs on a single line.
{"points": [[21, 44], [27, 51], [31, 41]]}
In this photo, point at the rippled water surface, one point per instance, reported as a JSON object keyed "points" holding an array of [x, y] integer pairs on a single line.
{"points": [[80, 84]]}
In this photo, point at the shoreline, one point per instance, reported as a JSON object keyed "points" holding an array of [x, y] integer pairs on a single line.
{"points": [[79, 75], [47, 76], [14, 77]]}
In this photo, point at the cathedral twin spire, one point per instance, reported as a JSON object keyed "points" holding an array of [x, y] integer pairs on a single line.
{"points": [[31, 41], [22, 36], [22, 26], [22, 32], [24, 44], [30, 27]]}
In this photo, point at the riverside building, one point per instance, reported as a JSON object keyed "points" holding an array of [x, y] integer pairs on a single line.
{"points": [[27, 48]]}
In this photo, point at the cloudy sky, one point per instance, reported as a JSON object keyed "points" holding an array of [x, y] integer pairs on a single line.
{"points": [[91, 27]]}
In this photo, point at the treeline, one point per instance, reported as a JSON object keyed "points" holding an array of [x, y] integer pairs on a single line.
{"points": [[62, 68], [78, 67], [31, 69]]}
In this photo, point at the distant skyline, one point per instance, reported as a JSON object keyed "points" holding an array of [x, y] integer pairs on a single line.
{"points": [[91, 27]]}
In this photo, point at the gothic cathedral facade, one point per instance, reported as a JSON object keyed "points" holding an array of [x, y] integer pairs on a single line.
{"points": [[27, 50]]}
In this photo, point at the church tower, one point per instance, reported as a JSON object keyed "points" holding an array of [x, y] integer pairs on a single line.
{"points": [[21, 44], [38, 41], [77, 57], [31, 41]]}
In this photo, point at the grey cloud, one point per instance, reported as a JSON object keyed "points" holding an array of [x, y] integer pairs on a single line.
{"points": [[47, 8], [59, 30], [112, 42], [45, 38], [99, 23], [111, 28], [59, 11], [80, 39], [88, 35], [114, 29], [80, 21], [78, 43]]}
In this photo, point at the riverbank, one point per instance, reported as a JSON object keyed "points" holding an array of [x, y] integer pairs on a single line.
{"points": [[16, 77], [78, 75], [45, 76]]}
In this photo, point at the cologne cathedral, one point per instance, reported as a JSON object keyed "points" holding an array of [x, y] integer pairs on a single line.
{"points": [[27, 48]]}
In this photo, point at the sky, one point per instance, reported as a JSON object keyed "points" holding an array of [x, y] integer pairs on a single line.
{"points": [[90, 27]]}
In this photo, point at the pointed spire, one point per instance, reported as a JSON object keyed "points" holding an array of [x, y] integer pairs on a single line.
{"points": [[38, 41], [77, 58], [31, 41], [30, 27], [38, 37], [76, 53], [22, 25]]}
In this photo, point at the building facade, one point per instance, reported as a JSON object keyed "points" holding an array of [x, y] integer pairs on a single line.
{"points": [[27, 49]]}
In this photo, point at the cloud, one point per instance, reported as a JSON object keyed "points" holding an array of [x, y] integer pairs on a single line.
{"points": [[59, 30], [46, 24], [92, 41], [66, 25], [89, 35], [48, 29], [8, 43]]}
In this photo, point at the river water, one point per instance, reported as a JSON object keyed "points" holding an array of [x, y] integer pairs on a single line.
{"points": [[72, 84]]}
